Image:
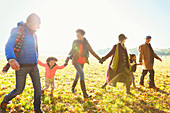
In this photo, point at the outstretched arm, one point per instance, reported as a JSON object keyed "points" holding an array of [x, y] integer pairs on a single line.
{"points": [[41, 64], [60, 67], [157, 57], [112, 51], [70, 54], [92, 52]]}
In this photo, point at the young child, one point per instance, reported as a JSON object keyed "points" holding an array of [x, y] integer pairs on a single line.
{"points": [[50, 69], [133, 67]]}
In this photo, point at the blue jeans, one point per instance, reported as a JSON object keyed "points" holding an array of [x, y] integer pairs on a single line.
{"points": [[79, 73], [20, 84]]}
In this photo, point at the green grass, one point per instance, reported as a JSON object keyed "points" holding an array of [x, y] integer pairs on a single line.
{"points": [[104, 100]]}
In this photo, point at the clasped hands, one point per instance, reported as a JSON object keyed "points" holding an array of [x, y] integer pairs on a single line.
{"points": [[101, 60]]}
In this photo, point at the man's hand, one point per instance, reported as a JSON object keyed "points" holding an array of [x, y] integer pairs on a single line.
{"points": [[160, 59], [140, 63], [14, 65]]}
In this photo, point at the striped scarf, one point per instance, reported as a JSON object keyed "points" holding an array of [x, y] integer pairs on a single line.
{"points": [[18, 44]]}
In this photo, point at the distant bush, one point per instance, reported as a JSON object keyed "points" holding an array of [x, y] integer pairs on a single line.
{"points": [[135, 51]]}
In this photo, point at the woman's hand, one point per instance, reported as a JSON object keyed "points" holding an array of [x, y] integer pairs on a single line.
{"points": [[101, 61], [67, 60], [65, 64], [104, 59]]}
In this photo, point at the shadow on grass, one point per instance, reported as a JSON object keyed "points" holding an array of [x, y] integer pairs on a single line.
{"points": [[142, 104], [162, 91]]}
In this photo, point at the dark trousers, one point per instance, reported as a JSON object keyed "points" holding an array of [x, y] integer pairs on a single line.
{"points": [[151, 77], [20, 85]]}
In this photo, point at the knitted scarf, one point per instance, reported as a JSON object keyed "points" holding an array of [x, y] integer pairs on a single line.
{"points": [[18, 44], [115, 62], [75, 50]]}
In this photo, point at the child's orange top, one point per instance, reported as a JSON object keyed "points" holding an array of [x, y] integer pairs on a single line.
{"points": [[50, 73]]}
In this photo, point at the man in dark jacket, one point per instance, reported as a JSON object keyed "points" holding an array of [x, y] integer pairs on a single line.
{"points": [[25, 62]]}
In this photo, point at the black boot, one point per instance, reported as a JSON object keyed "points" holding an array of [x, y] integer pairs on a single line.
{"points": [[104, 85], [3, 107], [38, 111], [73, 86], [83, 88]]}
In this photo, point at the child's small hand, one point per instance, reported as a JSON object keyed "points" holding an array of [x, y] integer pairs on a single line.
{"points": [[65, 64], [133, 63]]}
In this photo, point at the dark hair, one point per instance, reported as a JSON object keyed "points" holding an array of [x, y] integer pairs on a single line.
{"points": [[81, 31], [131, 55], [122, 37], [51, 58], [33, 18]]}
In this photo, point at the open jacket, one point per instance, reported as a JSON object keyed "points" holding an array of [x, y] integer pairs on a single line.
{"points": [[145, 56], [110, 72], [73, 54]]}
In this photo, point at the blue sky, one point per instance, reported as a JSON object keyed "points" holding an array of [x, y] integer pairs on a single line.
{"points": [[103, 21]]}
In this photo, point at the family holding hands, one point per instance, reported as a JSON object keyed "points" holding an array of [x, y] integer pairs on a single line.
{"points": [[22, 54]]}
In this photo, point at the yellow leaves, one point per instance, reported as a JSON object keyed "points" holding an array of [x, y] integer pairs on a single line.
{"points": [[103, 100], [3, 87]]}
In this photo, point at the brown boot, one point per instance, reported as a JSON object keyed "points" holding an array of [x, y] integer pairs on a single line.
{"points": [[3, 107], [83, 88], [73, 86], [42, 92], [104, 85]]}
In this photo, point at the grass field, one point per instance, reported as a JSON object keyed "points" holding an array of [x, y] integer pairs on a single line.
{"points": [[111, 100]]}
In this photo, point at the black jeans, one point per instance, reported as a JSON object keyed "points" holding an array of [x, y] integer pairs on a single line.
{"points": [[20, 85], [151, 77]]}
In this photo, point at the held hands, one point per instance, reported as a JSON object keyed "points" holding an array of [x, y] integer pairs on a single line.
{"points": [[14, 65], [65, 64], [101, 60], [66, 61]]}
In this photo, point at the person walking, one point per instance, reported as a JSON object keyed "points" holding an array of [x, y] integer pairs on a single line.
{"points": [[146, 59], [119, 66], [22, 55], [79, 55]]}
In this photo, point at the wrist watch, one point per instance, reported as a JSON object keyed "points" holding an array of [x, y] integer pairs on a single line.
{"points": [[10, 60]]}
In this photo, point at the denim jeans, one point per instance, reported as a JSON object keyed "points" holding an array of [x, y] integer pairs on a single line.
{"points": [[151, 77], [79, 73], [20, 84]]}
